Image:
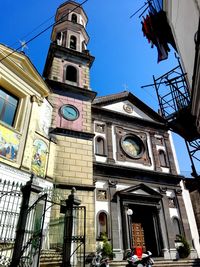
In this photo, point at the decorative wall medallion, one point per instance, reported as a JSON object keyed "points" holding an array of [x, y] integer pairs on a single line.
{"points": [[132, 145], [100, 128], [128, 108], [69, 112], [171, 202], [101, 194]]}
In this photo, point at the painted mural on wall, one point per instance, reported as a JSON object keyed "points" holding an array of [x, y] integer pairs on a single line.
{"points": [[39, 158], [9, 143], [44, 121]]}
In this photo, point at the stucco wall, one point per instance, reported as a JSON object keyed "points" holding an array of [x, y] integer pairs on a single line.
{"points": [[183, 16]]}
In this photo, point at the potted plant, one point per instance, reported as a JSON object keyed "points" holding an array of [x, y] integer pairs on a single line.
{"points": [[184, 248]]}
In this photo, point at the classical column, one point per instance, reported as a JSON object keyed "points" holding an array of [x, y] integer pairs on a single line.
{"points": [[125, 227], [160, 232], [110, 158], [184, 219], [170, 235], [155, 152], [114, 224], [170, 154]]}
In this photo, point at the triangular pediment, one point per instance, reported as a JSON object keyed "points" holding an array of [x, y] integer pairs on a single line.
{"points": [[21, 65], [127, 104], [142, 190]]}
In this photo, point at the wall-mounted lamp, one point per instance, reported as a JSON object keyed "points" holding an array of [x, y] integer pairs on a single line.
{"points": [[129, 212]]}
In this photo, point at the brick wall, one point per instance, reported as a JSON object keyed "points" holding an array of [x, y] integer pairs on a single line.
{"points": [[73, 161]]}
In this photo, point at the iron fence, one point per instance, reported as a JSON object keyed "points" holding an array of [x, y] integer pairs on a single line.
{"points": [[27, 221], [10, 203]]}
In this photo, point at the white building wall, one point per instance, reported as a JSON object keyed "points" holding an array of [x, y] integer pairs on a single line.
{"points": [[183, 17]]}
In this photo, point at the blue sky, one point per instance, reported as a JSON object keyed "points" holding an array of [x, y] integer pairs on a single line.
{"points": [[123, 58]]}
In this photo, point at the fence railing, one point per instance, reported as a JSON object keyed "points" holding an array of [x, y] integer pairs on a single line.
{"points": [[25, 223], [10, 203]]}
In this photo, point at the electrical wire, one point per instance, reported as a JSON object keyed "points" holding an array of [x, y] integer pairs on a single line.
{"points": [[36, 28], [40, 33], [18, 65]]}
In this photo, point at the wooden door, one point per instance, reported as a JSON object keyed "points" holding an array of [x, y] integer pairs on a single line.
{"points": [[138, 236]]}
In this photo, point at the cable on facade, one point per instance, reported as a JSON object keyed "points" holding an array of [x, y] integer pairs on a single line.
{"points": [[40, 33]]}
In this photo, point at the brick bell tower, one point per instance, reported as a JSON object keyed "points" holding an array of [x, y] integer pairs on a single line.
{"points": [[67, 72]]}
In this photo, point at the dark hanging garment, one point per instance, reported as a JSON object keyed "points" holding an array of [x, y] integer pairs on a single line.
{"points": [[156, 29], [166, 32], [150, 32]]}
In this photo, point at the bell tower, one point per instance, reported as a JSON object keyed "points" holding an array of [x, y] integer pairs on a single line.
{"points": [[67, 73], [68, 60]]}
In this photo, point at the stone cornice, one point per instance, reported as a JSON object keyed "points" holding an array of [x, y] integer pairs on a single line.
{"points": [[72, 133]]}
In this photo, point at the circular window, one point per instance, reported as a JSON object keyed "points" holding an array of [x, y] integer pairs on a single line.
{"points": [[132, 146]]}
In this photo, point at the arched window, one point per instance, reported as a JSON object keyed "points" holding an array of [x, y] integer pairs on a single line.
{"points": [[176, 226], [73, 41], [162, 157], [100, 146], [102, 224], [74, 18], [71, 74]]}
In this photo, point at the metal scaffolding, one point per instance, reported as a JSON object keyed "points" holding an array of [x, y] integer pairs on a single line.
{"points": [[175, 107]]}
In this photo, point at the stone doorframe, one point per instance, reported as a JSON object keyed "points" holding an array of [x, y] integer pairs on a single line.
{"points": [[136, 195], [126, 207]]}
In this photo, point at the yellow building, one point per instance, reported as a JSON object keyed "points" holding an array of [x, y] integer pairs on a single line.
{"points": [[25, 148], [22, 111]]}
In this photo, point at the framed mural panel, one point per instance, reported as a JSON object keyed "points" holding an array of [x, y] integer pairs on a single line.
{"points": [[9, 143], [39, 157]]}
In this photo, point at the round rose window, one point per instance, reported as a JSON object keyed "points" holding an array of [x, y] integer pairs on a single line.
{"points": [[132, 146]]}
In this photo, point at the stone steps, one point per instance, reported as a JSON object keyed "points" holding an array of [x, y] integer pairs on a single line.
{"points": [[164, 263], [50, 258], [53, 258]]}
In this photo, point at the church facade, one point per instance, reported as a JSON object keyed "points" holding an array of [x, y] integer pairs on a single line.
{"points": [[139, 197], [115, 150]]}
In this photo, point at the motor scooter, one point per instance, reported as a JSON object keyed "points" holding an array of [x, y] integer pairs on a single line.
{"points": [[135, 261]]}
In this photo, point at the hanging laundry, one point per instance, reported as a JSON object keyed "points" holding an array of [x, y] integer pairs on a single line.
{"points": [[156, 29]]}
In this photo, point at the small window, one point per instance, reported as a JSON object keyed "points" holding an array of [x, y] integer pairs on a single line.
{"points": [[83, 46], [102, 225], [162, 157], [71, 74], [73, 42], [59, 37], [8, 106], [100, 146], [74, 18], [176, 226]]}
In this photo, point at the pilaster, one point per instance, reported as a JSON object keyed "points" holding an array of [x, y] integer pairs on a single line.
{"points": [[170, 251], [110, 158]]}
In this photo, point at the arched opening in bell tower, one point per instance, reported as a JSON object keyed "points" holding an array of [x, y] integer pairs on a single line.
{"points": [[71, 74], [73, 42]]}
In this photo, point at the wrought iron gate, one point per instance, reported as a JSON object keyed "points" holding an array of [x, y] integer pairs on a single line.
{"points": [[10, 202], [23, 229], [74, 236]]}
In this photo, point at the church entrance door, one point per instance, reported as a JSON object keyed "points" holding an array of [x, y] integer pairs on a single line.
{"points": [[145, 230], [138, 236]]}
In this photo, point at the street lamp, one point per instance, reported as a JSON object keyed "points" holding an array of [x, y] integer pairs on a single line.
{"points": [[129, 214]]}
